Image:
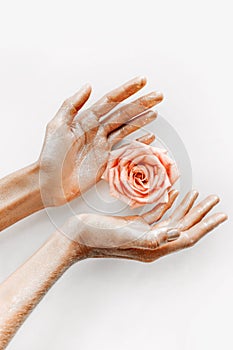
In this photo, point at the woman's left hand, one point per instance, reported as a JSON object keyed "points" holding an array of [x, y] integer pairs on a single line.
{"points": [[77, 144]]}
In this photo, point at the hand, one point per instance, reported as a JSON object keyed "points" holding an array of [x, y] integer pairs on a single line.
{"points": [[141, 237], [93, 236], [77, 145]]}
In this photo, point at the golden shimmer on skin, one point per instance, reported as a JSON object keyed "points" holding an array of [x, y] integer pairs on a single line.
{"points": [[85, 236], [19, 195], [22, 291], [74, 142]]}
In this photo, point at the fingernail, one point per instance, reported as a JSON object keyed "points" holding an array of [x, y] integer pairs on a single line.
{"points": [[150, 135], [195, 193], [153, 98], [214, 198], [174, 193], [86, 86], [157, 95], [223, 216], [173, 234], [142, 79]]}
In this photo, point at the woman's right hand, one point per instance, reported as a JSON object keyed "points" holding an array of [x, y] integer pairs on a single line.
{"points": [[140, 237]]}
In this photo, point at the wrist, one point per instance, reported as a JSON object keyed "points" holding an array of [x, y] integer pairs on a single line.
{"points": [[30, 184], [52, 189], [20, 195], [69, 251]]}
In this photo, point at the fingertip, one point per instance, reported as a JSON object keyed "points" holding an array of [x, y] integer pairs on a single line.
{"points": [[82, 94], [222, 217], [174, 194], [146, 139], [152, 114], [156, 95], [136, 83], [194, 193], [142, 80], [160, 96], [151, 136], [87, 87], [215, 198]]}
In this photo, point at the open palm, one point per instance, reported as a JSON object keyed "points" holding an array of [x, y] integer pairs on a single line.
{"points": [[77, 144], [142, 237]]}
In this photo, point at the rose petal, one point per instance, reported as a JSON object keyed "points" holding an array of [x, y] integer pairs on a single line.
{"points": [[139, 174]]}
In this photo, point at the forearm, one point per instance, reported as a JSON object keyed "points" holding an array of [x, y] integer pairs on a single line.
{"points": [[23, 290], [19, 195]]}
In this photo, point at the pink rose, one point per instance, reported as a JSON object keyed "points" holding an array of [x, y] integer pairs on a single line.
{"points": [[139, 174]]}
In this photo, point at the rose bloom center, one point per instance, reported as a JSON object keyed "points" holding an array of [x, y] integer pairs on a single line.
{"points": [[138, 173]]}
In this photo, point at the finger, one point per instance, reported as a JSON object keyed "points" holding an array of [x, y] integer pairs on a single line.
{"points": [[131, 110], [198, 231], [159, 210], [187, 238], [114, 97], [154, 239], [73, 104], [183, 207], [146, 139], [132, 126], [149, 252], [198, 212]]}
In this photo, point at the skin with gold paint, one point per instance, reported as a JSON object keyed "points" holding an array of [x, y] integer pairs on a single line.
{"points": [[73, 157], [140, 238], [77, 144], [75, 150]]}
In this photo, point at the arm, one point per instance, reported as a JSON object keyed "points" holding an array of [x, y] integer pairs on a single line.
{"points": [[23, 290], [19, 195], [92, 236], [74, 141]]}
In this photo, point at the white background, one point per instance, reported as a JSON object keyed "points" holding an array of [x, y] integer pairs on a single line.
{"points": [[48, 50]]}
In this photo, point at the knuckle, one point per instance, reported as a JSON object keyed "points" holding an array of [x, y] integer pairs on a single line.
{"points": [[102, 131], [52, 126], [66, 103], [49, 127], [89, 122], [109, 98], [78, 130]]}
